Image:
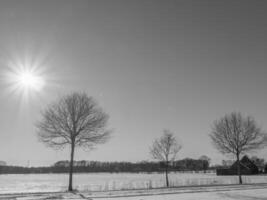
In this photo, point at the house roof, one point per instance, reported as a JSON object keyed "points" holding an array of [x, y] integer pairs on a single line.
{"points": [[246, 163]]}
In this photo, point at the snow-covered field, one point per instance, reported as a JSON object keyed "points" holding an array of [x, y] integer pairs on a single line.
{"points": [[117, 181]]}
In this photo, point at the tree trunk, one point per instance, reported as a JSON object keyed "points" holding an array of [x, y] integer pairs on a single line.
{"points": [[239, 169], [71, 166], [204, 166], [166, 174]]}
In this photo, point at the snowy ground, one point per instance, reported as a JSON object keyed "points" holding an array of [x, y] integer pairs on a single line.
{"points": [[257, 194], [115, 181], [234, 192]]}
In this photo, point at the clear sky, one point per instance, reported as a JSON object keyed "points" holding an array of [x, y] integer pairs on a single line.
{"points": [[150, 64]]}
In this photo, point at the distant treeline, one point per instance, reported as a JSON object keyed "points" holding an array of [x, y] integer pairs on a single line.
{"points": [[112, 167]]}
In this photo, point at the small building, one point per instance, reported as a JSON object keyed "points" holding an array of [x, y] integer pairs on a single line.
{"points": [[82, 163], [66, 163], [62, 163], [247, 167]]}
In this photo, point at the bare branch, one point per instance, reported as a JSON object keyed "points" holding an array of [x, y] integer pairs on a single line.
{"points": [[235, 134], [75, 118], [165, 148]]}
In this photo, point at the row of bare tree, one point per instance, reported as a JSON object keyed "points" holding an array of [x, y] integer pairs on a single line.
{"points": [[233, 134], [77, 120]]}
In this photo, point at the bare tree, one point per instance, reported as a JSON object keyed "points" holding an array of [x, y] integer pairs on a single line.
{"points": [[75, 120], [165, 150], [236, 135]]}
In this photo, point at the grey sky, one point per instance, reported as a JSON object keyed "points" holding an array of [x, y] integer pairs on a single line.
{"points": [[151, 64]]}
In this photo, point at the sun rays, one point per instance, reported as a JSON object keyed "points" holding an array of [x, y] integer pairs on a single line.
{"points": [[24, 78]]}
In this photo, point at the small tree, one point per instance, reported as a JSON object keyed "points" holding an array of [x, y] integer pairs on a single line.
{"points": [[237, 135], [75, 120], [259, 162], [165, 150], [205, 162]]}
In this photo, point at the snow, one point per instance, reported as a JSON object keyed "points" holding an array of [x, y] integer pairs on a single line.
{"points": [[257, 194], [234, 192], [116, 181]]}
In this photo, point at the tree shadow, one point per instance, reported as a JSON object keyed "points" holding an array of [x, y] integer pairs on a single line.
{"points": [[241, 197]]}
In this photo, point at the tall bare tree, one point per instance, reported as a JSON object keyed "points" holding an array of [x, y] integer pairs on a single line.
{"points": [[75, 120], [235, 134], [165, 150]]}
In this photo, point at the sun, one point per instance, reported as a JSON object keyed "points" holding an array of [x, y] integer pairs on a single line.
{"points": [[25, 79], [26, 75], [29, 80]]}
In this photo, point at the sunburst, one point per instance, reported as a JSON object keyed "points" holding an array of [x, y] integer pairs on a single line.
{"points": [[24, 78]]}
